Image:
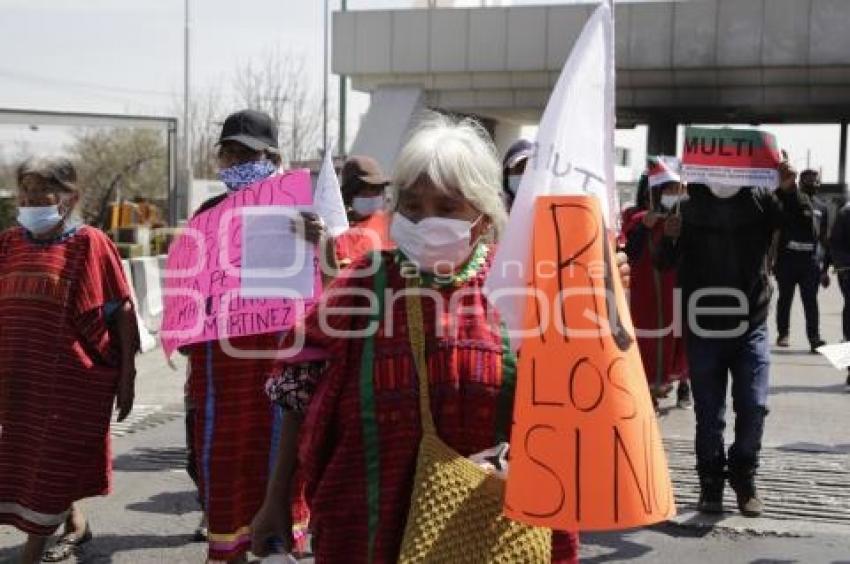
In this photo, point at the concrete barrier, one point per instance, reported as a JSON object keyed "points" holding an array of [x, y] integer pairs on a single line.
{"points": [[148, 286], [147, 341]]}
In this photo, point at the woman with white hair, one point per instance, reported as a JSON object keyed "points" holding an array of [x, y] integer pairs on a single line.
{"points": [[360, 407]]}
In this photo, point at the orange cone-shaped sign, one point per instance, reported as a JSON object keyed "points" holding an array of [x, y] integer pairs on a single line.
{"points": [[586, 451]]}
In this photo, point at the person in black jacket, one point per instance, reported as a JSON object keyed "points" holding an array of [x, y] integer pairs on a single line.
{"points": [[802, 257], [839, 243], [720, 244]]}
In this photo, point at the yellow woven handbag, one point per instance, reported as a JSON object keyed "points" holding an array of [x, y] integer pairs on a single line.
{"points": [[455, 511]]}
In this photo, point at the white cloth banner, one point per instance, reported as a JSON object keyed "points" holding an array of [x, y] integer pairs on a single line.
{"points": [[837, 354], [574, 154], [146, 340], [327, 201]]}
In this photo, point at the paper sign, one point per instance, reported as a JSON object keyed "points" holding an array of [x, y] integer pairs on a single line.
{"points": [[586, 451], [730, 157], [837, 354], [276, 261], [202, 292]]}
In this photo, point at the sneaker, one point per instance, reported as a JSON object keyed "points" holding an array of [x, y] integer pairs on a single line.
{"points": [[683, 396], [201, 532], [816, 344], [783, 341]]}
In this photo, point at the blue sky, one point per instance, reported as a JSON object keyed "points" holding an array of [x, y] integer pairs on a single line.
{"points": [[118, 56]]}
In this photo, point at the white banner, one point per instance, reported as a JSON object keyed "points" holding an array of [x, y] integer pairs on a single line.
{"points": [[574, 154]]}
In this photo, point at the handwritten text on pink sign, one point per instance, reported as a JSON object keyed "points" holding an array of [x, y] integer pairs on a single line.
{"points": [[202, 281]]}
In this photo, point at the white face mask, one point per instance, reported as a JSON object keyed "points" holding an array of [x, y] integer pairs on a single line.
{"points": [[513, 183], [39, 219], [435, 244], [367, 206], [724, 192], [669, 201]]}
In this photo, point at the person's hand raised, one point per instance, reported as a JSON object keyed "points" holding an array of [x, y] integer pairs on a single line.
{"points": [[651, 218], [311, 227]]}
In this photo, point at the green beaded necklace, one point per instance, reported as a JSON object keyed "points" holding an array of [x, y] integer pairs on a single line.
{"points": [[459, 278]]}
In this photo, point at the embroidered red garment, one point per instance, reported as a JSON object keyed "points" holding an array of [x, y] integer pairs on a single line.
{"points": [[236, 435], [471, 400], [59, 367], [652, 307]]}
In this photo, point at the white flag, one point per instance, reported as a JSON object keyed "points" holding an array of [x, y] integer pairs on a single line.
{"points": [[327, 202], [574, 154]]}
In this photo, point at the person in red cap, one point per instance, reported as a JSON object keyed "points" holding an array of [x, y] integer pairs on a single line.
{"points": [[652, 293], [363, 186]]}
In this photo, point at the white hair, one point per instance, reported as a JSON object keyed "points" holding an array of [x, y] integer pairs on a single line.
{"points": [[454, 154]]}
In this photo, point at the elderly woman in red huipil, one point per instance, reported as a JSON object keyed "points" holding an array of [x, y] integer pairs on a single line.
{"points": [[68, 338], [448, 210], [662, 347]]}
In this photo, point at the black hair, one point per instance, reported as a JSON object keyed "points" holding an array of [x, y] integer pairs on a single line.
{"points": [[506, 192], [349, 190], [274, 157], [642, 193]]}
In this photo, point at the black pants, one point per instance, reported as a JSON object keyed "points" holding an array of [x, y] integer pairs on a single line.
{"points": [[793, 271], [844, 284]]}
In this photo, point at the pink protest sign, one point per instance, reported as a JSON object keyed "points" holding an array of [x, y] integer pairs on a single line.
{"points": [[207, 294]]}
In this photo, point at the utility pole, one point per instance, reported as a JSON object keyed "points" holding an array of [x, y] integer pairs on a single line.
{"points": [[187, 141], [343, 100], [326, 85]]}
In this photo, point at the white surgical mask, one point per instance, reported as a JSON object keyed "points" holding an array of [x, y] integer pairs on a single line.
{"points": [[513, 183], [39, 219], [669, 201], [724, 192], [434, 241], [367, 206]]}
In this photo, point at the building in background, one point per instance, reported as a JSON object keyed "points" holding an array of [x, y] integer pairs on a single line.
{"points": [[707, 61]]}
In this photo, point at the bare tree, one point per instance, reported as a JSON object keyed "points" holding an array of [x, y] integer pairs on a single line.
{"points": [[9, 161], [206, 114], [278, 85], [108, 160], [275, 84]]}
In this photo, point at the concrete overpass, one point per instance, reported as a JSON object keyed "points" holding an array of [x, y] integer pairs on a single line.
{"points": [[698, 61]]}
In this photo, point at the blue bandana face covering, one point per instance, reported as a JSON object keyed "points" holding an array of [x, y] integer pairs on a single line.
{"points": [[241, 175]]}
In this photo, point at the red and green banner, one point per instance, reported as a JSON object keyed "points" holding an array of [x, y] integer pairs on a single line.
{"points": [[731, 157]]}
